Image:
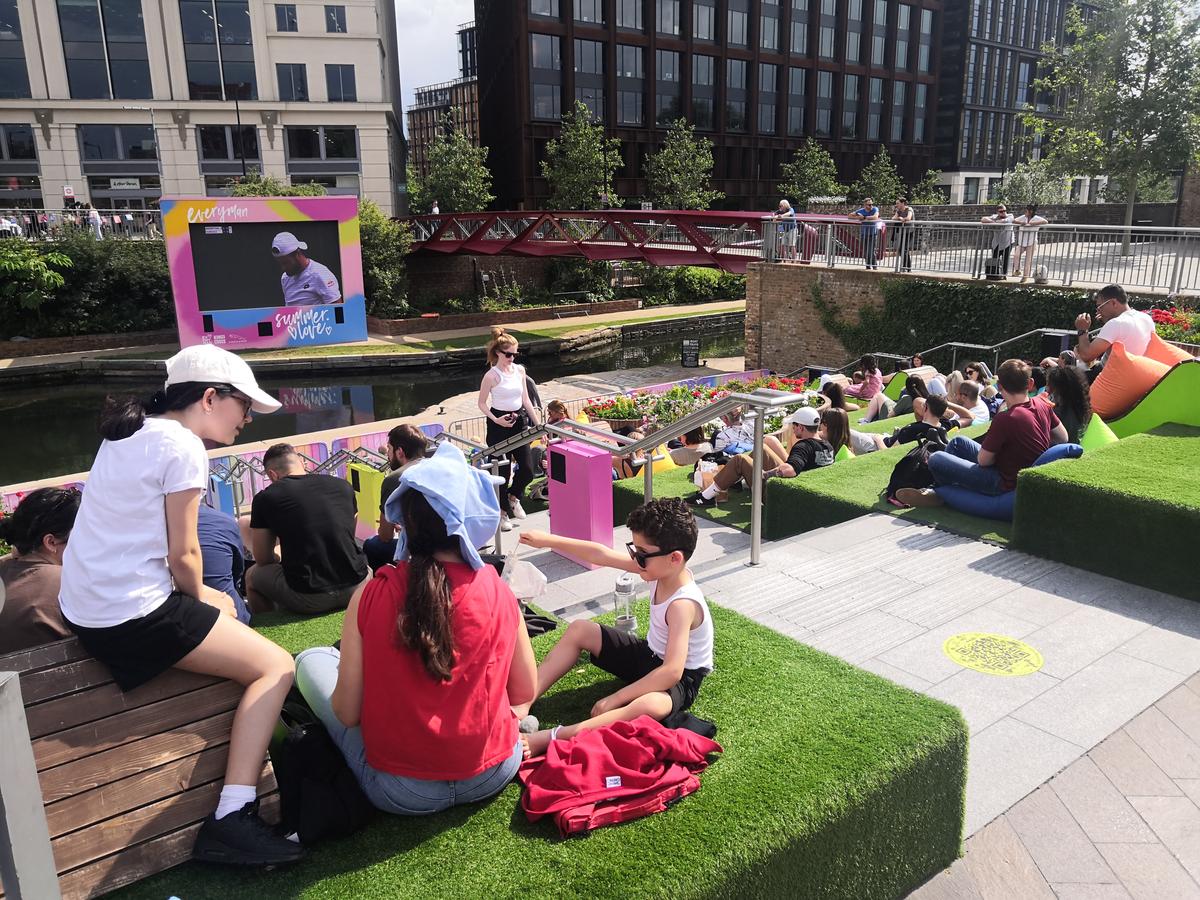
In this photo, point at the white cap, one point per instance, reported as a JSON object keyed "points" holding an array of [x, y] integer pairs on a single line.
{"points": [[207, 364], [805, 415], [937, 387], [285, 242], [825, 379]]}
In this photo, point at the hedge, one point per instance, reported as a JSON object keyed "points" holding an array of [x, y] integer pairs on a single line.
{"points": [[1130, 510], [834, 783]]}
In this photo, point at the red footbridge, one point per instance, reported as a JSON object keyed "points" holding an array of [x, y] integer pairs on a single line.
{"points": [[724, 240]]}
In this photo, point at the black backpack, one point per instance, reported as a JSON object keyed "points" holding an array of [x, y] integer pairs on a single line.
{"points": [[319, 795], [912, 471]]}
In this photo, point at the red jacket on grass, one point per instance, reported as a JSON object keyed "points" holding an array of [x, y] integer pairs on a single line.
{"points": [[613, 774]]}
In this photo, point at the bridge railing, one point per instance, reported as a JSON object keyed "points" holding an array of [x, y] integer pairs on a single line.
{"points": [[51, 224]]}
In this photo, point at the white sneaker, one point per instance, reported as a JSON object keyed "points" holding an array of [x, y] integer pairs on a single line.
{"points": [[505, 523], [515, 509]]}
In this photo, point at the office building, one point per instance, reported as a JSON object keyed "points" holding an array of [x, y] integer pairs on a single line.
{"points": [[756, 77], [459, 99], [119, 102]]}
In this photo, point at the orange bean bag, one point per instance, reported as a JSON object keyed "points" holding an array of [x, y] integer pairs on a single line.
{"points": [[1161, 351], [1126, 379]]}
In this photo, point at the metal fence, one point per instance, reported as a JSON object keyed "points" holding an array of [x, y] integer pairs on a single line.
{"points": [[51, 224], [1162, 259]]}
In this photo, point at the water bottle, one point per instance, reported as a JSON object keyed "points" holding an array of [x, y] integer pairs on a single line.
{"points": [[623, 601]]}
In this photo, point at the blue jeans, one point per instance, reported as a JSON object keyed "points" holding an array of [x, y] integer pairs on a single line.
{"points": [[316, 676], [379, 552], [958, 465]]}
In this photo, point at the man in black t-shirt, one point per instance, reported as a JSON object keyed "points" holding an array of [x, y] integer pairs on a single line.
{"points": [[312, 517], [808, 452]]}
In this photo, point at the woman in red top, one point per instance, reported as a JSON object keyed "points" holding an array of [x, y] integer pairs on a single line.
{"points": [[434, 654]]}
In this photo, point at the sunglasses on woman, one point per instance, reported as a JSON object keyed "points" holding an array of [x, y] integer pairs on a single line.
{"points": [[640, 556], [511, 354]]}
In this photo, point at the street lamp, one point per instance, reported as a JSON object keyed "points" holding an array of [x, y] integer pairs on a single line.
{"points": [[237, 111], [149, 110]]}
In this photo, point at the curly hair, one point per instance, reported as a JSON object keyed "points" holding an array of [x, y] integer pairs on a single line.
{"points": [[667, 523]]}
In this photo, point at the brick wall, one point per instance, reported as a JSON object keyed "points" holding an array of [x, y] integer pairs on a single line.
{"points": [[445, 276], [79, 343], [508, 317], [1157, 214], [1189, 199]]}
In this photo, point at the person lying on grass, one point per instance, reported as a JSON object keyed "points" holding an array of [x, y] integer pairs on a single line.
{"points": [[662, 673]]}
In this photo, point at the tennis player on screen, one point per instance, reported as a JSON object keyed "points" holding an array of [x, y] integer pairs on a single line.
{"points": [[305, 281]]}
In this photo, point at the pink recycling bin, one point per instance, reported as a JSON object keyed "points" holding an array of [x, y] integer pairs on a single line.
{"points": [[581, 497]]}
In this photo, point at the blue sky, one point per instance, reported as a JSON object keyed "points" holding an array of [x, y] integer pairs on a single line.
{"points": [[428, 48]]}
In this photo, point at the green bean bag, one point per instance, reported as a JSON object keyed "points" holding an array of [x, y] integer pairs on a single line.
{"points": [[1097, 434], [1175, 398]]}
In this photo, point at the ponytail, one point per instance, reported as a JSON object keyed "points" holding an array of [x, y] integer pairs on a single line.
{"points": [[425, 623], [122, 417]]}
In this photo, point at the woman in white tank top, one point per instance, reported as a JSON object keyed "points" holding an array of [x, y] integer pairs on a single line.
{"points": [[504, 400]]}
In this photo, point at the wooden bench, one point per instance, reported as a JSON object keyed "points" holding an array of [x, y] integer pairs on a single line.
{"points": [[126, 778], [571, 311]]}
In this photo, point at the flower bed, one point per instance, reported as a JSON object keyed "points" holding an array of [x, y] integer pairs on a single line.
{"points": [[1175, 324]]}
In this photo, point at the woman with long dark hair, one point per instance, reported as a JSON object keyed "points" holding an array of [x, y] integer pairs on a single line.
{"points": [[434, 654], [1068, 388], [132, 587], [37, 531], [835, 428], [504, 399], [837, 397]]}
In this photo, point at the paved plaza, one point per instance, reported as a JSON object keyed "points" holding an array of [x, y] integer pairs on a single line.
{"points": [[1084, 776]]}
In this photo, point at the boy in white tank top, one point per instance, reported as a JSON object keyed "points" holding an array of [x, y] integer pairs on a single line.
{"points": [[662, 673]]}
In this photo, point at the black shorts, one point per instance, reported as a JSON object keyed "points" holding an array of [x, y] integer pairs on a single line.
{"points": [[137, 650], [629, 657]]}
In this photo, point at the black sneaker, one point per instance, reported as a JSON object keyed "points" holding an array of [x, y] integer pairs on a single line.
{"points": [[242, 838], [700, 500]]}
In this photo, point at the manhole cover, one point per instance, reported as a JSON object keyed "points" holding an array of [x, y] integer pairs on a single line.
{"points": [[992, 654]]}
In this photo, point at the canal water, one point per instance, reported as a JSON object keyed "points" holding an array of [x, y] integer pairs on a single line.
{"points": [[50, 430]]}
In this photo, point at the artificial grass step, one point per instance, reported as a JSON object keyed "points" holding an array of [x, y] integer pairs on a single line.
{"points": [[834, 783]]}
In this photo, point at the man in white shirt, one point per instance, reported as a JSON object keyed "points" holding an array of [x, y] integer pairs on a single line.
{"points": [[1120, 323], [1002, 238], [305, 282]]}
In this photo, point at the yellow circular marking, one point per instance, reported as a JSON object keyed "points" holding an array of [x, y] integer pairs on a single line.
{"points": [[992, 654]]}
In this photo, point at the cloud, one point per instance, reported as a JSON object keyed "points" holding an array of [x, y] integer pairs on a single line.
{"points": [[427, 42]]}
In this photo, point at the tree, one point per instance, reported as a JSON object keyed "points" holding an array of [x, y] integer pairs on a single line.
{"points": [[580, 164], [256, 184], [810, 173], [680, 172], [1149, 190], [1032, 182], [458, 176], [1130, 73], [878, 180], [29, 277], [926, 192]]}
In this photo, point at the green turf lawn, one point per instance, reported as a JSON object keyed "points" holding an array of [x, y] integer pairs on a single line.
{"points": [[834, 783], [1129, 509], [818, 498]]}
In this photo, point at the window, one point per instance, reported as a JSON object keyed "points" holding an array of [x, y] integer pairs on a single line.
{"points": [[704, 81], [704, 20], [629, 14], [589, 75], [335, 19], [971, 191], [589, 57], [703, 71], [16, 142], [546, 53], [339, 83], [222, 143], [737, 32], [926, 41], [629, 61], [630, 85], [293, 81], [702, 113], [735, 95], [547, 8], [545, 63], [117, 142], [874, 108], [629, 108], [546, 101], [797, 81], [589, 11], [593, 98], [768, 26], [964, 152], [879, 32], [218, 69], [104, 42], [854, 30], [321, 143], [768, 85], [285, 17], [800, 27], [666, 17], [850, 106], [899, 98], [828, 28], [668, 93], [14, 77], [903, 22], [824, 104]]}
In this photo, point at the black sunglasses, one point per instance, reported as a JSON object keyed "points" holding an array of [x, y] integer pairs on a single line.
{"points": [[640, 556], [510, 354], [246, 402]]}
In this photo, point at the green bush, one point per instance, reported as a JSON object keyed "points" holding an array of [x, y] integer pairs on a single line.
{"points": [[590, 281], [384, 245], [668, 285], [110, 287]]}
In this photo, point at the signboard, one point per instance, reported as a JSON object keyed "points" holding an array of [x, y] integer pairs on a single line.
{"points": [[68, 190], [689, 353], [265, 272], [124, 184], [647, 206]]}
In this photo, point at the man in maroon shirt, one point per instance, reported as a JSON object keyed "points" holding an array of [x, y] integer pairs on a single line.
{"points": [[1018, 436]]}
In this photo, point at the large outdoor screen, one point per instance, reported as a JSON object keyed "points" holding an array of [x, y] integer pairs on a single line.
{"points": [[266, 272]]}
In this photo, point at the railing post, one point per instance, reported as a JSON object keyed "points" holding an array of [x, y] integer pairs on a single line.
{"points": [[1069, 268], [1177, 269], [756, 489], [648, 477], [978, 266], [499, 540], [769, 251], [829, 244], [27, 869]]}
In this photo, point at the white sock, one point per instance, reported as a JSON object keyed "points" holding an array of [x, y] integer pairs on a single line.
{"points": [[234, 797], [710, 492]]}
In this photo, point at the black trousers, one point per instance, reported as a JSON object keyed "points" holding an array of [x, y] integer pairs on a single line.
{"points": [[523, 458]]}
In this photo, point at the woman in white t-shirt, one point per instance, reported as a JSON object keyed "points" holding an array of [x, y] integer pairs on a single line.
{"points": [[1027, 239], [132, 588]]}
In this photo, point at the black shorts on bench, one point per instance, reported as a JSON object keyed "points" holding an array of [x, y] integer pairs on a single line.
{"points": [[630, 658]]}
